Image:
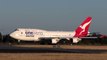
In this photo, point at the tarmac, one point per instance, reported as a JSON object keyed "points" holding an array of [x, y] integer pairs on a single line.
{"points": [[16, 49]]}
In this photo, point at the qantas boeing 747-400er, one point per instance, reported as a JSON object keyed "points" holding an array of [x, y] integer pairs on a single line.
{"points": [[25, 34]]}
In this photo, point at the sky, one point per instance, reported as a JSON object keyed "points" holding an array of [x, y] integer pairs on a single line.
{"points": [[64, 15]]}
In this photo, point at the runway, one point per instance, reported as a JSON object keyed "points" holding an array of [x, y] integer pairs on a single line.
{"points": [[14, 49]]}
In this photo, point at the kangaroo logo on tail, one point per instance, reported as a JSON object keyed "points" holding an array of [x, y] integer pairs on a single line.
{"points": [[82, 30]]}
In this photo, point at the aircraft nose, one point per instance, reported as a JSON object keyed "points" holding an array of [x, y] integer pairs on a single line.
{"points": [[13, 35]]}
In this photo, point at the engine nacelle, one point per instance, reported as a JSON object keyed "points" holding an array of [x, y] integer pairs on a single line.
{"points": [[76, 40], [55, 40]]}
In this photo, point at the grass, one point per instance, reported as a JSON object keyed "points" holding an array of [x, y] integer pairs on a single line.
{"points": [[51, 56]]}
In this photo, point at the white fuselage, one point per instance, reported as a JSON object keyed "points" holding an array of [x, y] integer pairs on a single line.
{"points": [[36, 34]]}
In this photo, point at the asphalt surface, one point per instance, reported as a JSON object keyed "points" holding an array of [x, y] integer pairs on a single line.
{"points": [[14, 49]]}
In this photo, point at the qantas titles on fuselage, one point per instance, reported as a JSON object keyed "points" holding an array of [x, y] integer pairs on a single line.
{"points": [[26, 34], [31, 34]]}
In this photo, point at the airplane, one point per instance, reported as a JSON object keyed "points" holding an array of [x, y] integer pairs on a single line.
{"points": [[27, 34]]}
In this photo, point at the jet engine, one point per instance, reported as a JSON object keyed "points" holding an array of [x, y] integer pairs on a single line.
{"points": [[55, 40], [76, 40]]}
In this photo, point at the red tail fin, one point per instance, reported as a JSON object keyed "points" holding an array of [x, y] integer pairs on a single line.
{"points": [[82, 30]]}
